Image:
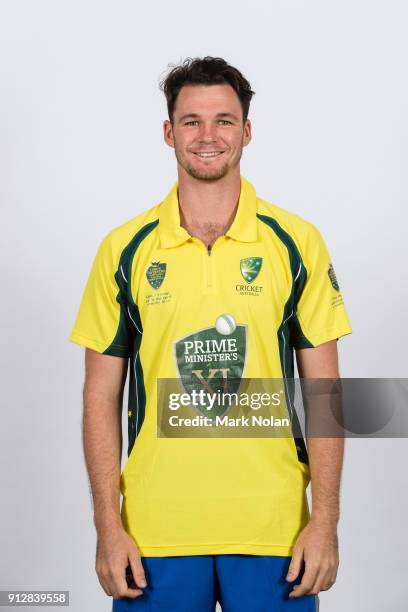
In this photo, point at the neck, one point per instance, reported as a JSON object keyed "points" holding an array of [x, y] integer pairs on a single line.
{"points": [[207, 208]]}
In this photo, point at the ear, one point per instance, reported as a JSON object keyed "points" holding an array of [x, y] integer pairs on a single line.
{"points": [[168, 133], [247, 136]]}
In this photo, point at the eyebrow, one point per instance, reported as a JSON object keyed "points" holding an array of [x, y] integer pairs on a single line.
{"points": [[219, 115]]}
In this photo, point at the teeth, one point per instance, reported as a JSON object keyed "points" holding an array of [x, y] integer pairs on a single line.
{"points": [[212, 154]]}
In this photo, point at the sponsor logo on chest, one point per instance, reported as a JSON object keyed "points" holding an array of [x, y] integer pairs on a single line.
{"points": [[212, 358]]}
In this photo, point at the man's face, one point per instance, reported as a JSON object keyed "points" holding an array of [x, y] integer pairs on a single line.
{"points": [[207, 131]]}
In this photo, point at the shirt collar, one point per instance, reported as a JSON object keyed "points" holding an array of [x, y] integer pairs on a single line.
{"points": [[243, 227]]}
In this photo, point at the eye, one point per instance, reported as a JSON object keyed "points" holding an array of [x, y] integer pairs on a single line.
{"points": [[225, 122], [191, 122]]}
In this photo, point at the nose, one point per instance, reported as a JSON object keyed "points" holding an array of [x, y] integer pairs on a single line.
{"points": [[207, 133]]}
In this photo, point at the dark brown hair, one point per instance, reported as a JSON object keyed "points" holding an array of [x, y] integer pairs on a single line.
{"points": [[205, 71]]}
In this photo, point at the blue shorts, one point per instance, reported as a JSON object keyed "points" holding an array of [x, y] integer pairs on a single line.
{"points": [[239, 583]]}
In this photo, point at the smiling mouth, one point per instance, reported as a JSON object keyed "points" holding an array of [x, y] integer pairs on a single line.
{"points": [[208, 154]]}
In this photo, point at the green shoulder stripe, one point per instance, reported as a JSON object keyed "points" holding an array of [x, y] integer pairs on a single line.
{"points": [[129, 334], [290, 328]]}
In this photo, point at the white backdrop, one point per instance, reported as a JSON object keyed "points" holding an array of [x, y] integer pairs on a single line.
{"points": [[81, 152]]}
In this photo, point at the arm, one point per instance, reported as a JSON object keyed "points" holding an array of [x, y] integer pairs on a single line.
{"points": [[102, 440], [317, 544]]}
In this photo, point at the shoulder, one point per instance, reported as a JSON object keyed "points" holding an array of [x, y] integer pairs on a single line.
{"points": [[131, 232], [291, 226]]}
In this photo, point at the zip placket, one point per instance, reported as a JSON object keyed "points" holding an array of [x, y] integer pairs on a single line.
{"points": [[209, 271]]}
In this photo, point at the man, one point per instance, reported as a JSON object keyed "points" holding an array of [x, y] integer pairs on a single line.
{"points": [[208, 519]]}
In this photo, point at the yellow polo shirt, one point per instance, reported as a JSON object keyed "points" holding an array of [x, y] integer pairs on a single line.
{"points": [[159, 298]]}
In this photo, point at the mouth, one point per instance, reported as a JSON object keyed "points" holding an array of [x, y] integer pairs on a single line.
{"points": [[208, 154]]}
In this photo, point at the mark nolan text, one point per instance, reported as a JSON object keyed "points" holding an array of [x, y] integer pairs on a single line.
{"points": [[253, 421]]}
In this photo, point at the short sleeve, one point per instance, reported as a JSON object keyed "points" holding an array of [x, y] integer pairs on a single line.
{"points": [[320, 310], [102, 323]]}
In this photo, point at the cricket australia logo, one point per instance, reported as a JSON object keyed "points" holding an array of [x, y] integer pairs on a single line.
{"points": [[213, 359], [333, 279], [155, 274], [250, 268]]}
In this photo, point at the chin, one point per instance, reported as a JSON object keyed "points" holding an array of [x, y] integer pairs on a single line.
{"points": [[207, 174]]}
